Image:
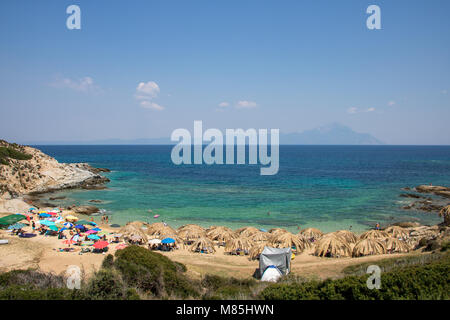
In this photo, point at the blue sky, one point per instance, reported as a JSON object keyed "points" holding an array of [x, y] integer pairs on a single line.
{"points": [[292, 65]]}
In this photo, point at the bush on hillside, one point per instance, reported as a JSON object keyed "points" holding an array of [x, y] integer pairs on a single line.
{"points": [[153, 273]]}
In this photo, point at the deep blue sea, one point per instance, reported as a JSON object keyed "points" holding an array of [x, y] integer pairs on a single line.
{"points": [[328, 187]]}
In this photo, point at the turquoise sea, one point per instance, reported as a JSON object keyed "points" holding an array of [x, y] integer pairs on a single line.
{"points": [[328, 187]]}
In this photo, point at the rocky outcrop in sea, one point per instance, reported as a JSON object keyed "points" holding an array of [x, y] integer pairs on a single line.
{"points": [[28, 171]]}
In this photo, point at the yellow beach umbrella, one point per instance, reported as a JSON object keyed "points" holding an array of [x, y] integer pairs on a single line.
{"points": [[69, 218]]}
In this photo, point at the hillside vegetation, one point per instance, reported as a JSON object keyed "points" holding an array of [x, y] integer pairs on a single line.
{"points": [[137, 273]]}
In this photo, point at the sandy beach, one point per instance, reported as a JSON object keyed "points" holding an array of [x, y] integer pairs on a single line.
{"points": [[41, 252]]}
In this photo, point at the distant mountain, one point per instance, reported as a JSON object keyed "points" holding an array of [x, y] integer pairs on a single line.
{"points": [[332, 134]]}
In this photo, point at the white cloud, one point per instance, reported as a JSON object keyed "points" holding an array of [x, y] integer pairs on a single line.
{"points": [[85, 84], [391, 103], [370, 110], [444, 91], [246, 104], [352, 110], [145, 93], [224, 104], [150, 105], [149, 89]]}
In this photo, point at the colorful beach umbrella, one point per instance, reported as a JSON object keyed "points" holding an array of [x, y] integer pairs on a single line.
{"points": [[101, 244], [53, 228], [154, 241], [71, 218], [46, 223], [16, 226], [121, 246], [68, 225], [90, 232], [93, 237], [45, 215], [168, 240]]}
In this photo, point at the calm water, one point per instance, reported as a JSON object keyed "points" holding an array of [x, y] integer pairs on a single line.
{"points": [[329, 187]]}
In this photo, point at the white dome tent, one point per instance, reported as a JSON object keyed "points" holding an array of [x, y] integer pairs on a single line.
{"points": [[274, 262]]}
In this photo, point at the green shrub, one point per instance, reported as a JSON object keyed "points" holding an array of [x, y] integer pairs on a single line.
{"points": [[152, 272], [12, 153], [227, 288], [106, 285], [108, 262], [428, 281]]}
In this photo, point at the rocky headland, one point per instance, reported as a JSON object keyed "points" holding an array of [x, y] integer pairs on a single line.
{"points": [[28, 172]]}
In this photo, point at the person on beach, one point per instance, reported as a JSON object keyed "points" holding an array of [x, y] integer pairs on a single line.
{"points": [[33, 226], [377, 226]]}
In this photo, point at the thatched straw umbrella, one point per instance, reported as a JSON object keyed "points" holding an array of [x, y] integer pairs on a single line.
{"points": [[277, 231], [221, 235], [332, 246], [374, 234], [397, 232], [203, 245], [247, 231], [312, 233], [346, 235], [260, 237], [288, 240], [256, 250], [190, 234], [130, 232], [238, 246], [155, 226], [396, 245], [138, 224], [212, 228], [161, 232], [191, 226], [368, 246], [445, 213]]}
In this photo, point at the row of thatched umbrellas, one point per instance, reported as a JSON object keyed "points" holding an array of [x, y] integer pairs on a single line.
{"points": [[251, 241]]}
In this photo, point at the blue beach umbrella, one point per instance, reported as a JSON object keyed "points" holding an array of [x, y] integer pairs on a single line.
{"points": [[62, 229], [68, 225], [46, 223], [263, 230], [45, 215], [93, 237], [16, 226], [96, 229], [53, 228], [168, 240], [79, 226]]}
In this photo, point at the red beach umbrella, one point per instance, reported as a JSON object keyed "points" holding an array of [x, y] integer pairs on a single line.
{"points": [[101, 244]]}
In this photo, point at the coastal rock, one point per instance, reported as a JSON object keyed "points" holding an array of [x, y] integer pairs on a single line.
{"points": [[86, 210], [430, 189], [40, 173], [407, 224], [95, 201], [437, 190], [57, 198], [410, 195]]}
